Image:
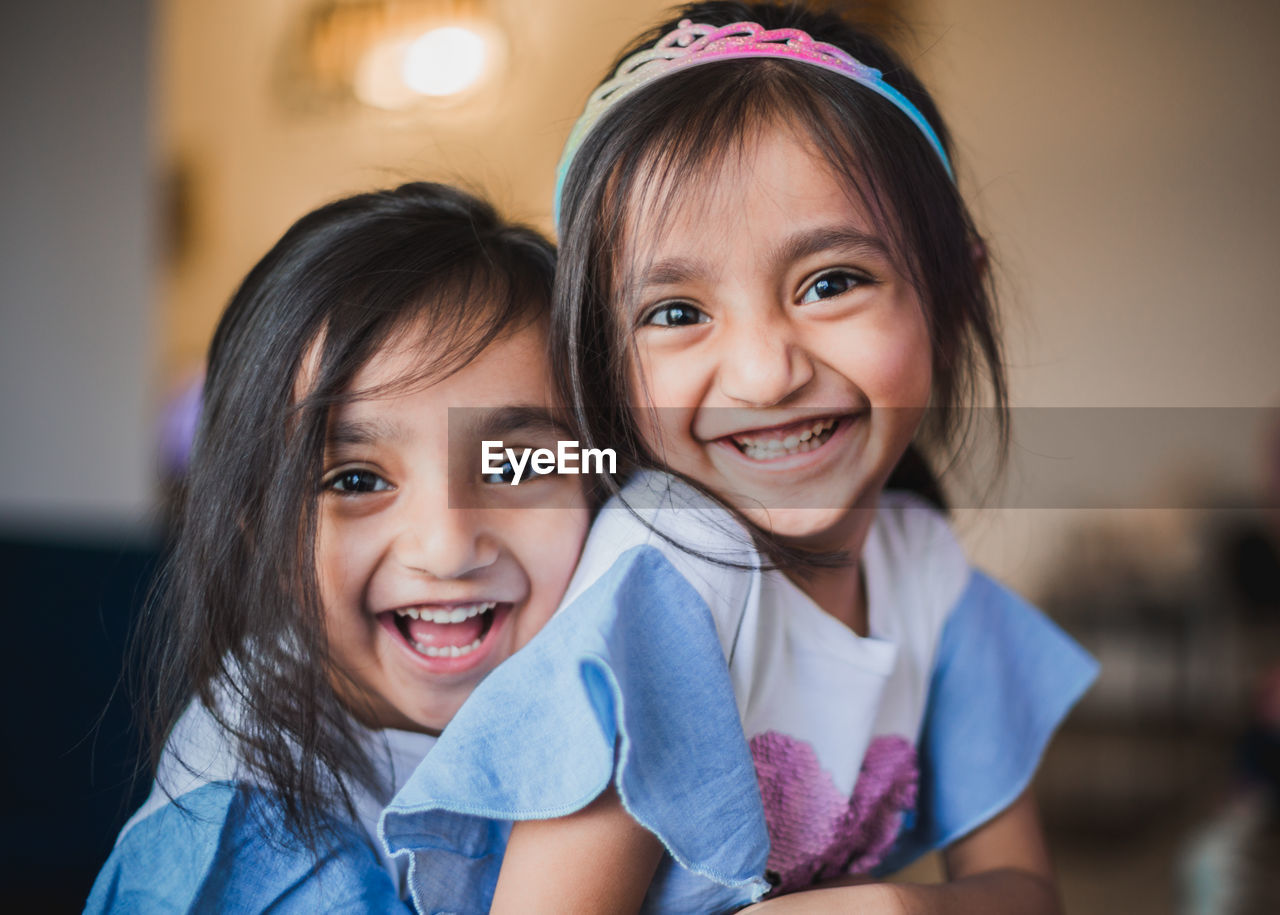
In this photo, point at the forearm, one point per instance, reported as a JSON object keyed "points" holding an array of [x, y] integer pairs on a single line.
{"points": [[598, 860], [994, 892], [1001, 868]]}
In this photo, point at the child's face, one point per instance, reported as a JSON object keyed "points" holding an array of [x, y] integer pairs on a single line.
{"points": [[422, 600], [788, 357]]}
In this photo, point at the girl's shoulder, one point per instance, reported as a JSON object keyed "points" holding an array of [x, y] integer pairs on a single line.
{"points": [[198, 753], [214, 826], [701, 540], [218, 847]]}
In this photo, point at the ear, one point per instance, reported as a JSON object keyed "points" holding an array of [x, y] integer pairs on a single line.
{"points": [[978, 255]]}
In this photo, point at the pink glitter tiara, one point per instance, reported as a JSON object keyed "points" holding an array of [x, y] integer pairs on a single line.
{"points": [[695, 43]]}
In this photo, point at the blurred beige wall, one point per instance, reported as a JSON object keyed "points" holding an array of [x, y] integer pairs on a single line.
{"points": [[1120, 157], [255, 166]]}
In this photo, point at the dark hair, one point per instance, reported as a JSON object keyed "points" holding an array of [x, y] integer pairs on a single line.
{"points": [[238, 624], [666, 137]]}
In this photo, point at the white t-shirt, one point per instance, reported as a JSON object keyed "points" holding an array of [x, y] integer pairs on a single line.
{"points": [[795, 668]]}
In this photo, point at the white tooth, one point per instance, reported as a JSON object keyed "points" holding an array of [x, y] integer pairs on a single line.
{"points": [[474, 645], [453, 651], [806, 435], [458, 614], [440, 616], [790, 441]]}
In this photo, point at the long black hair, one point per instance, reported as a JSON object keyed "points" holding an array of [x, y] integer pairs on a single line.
{"points": [[237, 624], [667, 137]]}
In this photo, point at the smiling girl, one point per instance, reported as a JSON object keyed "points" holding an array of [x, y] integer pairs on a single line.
{"points": [[770, 288], [761, 225], [344, 575]]}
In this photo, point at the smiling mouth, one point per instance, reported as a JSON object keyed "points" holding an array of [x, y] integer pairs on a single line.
{"points": [[446, 632], [783, 441]]}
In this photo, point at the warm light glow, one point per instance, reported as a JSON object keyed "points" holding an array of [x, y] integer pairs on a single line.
{"points": [[379, 80], [444, 61]]}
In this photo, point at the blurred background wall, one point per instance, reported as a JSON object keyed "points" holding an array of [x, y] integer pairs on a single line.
{"points": [[79, 345], [1120, 158]]}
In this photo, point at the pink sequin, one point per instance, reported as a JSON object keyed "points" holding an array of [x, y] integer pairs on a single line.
{"points": [[816, 833]]}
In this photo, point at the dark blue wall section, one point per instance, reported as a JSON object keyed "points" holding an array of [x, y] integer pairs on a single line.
{"points": [[70, 741]]}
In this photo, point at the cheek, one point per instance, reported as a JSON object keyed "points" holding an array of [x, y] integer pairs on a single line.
{"points": [[893, 364], [553, 539], [664, 390], [331, 568], [908, 369], [342, 571]]}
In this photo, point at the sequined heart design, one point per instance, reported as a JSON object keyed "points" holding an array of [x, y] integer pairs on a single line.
{"points": [[815, 833]]}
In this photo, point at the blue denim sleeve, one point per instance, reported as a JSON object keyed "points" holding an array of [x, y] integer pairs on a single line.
{"points": [[626, 685], [1004, 678], [211, 855]]}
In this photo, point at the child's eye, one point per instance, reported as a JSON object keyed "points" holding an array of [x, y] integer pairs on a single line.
{"points": [[507, 474], [356, 481], [830, 285], [675, 314]]}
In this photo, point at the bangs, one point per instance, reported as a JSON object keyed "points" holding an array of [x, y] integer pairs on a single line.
{"points": [[447, 316], [669, 144]]}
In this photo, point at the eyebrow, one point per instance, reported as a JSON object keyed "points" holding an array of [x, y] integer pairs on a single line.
{"points": [[501, 421], [829, 238], [676, 271], [670, 272], [362, 432]]}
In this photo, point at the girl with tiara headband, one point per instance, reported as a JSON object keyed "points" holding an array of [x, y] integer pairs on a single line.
{"points": [[772, 299]]}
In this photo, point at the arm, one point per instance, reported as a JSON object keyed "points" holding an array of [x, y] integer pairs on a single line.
{"points": [[1001, 867], [596, 860]]}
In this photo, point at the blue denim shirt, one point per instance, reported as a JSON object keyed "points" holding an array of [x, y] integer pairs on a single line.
{"points": [[212, 854], [626, 685]]}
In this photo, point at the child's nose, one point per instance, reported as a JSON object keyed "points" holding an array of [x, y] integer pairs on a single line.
{"points": [[761, 364], [446, 543]]}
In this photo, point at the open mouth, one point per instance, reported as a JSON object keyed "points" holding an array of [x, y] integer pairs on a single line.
{"points": [[453, 631], [784, 441]]}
